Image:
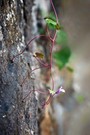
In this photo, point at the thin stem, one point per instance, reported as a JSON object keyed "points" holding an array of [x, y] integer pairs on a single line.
{"points": [[29, 44], [39, 68], [54, 10], [40, 91], [48, 101], [38, 36], [18, 54], [49, 34], [46, 66], [34, 91], [52, 81], [24, 80], [54, 38], [42, 63], [51, 64], [53, 43]]}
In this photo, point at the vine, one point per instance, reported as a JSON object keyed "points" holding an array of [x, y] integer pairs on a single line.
{"points": [[50, 22]]}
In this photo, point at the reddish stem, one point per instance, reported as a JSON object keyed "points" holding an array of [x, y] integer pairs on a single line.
{"points": [[29, 44], [48, 101], [54, 10], [53, 42], [45, 66], [42, 63], [37, 91], [39, 68]]}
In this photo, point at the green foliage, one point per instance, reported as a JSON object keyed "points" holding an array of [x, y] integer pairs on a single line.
{"points": [[80, 98], [62, 56], [51, 15], [52, 23], [70, 68], [41, 31], [61, 38], [51, 91]]}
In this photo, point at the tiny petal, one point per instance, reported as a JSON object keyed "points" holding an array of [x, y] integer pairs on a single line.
{"points": [[60, 90]]}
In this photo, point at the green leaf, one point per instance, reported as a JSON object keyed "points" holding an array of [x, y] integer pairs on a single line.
{"points": [[70, 68], [51, 91], [62, 56], [38, 55], [61, 37], [52, 23], [51, 15]]}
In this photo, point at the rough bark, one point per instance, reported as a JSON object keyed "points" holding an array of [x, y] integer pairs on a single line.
{"points": [[16, 117]]}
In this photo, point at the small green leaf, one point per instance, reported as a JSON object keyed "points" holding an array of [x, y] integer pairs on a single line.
{"points": [[51, 15], [38, 55], [70, 68], [51, 91], [52, 23], [58, 27], [62, 56], [61, 37]]}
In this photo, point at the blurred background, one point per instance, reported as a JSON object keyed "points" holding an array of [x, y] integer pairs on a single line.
{"points": [[69, 113]]}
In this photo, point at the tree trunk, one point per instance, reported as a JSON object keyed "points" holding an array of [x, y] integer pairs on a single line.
{"points": [[16, 117]]}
